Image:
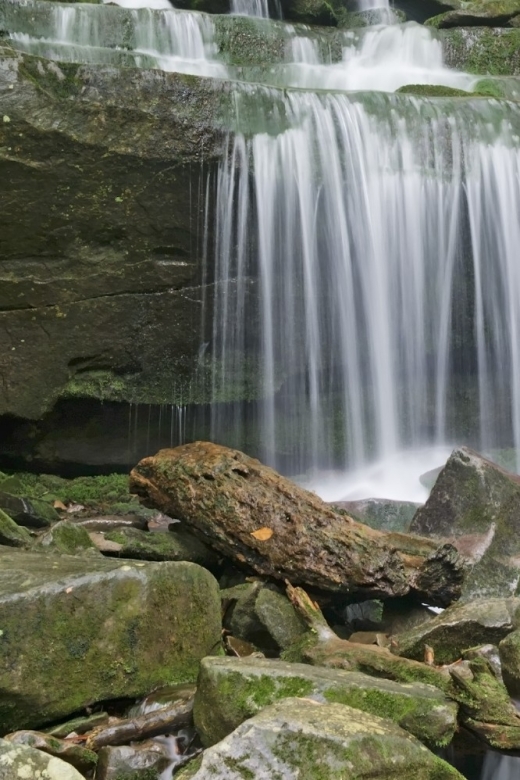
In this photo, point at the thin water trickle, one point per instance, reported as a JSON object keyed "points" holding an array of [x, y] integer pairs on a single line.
{"points": [[500, 767], [259, 8]]}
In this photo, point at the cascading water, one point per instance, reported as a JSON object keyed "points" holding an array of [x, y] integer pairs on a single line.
{"points": [[366, 217], [365, 244], [149, 36], [253, 8]]}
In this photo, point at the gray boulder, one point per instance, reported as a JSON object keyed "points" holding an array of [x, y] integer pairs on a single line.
{"points": [[20, 761], [461, 626], [230, 690], [475, 504], [298, 738]]}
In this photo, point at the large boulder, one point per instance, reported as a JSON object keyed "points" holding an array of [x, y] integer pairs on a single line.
{"points": [[258, 518], [76, 631], [230, 690], [298, 738], [461, 626], [20, 761], [476, 504]]}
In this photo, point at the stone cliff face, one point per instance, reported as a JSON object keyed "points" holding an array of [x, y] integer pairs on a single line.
{"points": [[101, 229]]}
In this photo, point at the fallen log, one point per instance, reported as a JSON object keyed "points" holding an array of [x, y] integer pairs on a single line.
{"points": [[258, 518], [151, 724]]}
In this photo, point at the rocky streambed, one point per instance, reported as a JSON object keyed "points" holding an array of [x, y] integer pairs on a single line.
{"points": [[209, 618]]}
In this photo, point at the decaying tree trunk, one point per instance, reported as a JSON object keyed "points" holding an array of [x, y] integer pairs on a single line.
{"points": [[323, 647], [256, 517]]}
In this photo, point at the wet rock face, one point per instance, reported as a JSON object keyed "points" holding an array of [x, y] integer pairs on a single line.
{"points": [[95, 629], [100, 237], [298, 738], [230, 690], [477, 505]]}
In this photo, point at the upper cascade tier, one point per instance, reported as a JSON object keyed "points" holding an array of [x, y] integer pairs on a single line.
{"points": [[381, 58]]}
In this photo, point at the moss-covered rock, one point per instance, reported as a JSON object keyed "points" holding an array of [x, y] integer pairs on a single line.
{"points": [[262, 615], [76, 631], [461, 626], [66, 537], [476, 504], [509, 651], [32, 513], [20, 761], [482, 50], [11, 534], [433, 90], [162, 546], [80, 757], [298, 738], [230, 690]]}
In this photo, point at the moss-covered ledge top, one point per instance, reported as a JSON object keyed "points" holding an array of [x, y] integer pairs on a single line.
{"points": [[145, 113]]}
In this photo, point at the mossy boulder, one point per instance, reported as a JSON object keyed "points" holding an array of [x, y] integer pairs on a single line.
{"points": [[476, 504], [509, 652], [74, 631], [461, 626], [20, 761], [312, 11], [28, 512], [261, 614], [66, 537], [11, 534], [298, 738], [230, 690], [491, 13], [162, 546]]}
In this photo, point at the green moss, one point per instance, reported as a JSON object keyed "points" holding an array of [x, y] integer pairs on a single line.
{"points": [[483, 50], [433, 90], [56, 81], [138, 774], [88, 491]]}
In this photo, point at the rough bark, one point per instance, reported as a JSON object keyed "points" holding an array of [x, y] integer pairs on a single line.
{"points": [[258, 518]]}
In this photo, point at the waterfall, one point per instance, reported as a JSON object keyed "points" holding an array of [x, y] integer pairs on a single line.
{"points": [[255, 8], [365, 250], [359, 228], [171, 40], [500, 767]]}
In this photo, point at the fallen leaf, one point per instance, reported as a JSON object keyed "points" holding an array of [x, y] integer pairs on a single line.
{"points": [[263, 534], [60, 505]]}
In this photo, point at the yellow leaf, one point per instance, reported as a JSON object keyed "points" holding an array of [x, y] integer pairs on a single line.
{"points": [[263, 534], [60, 505]]}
